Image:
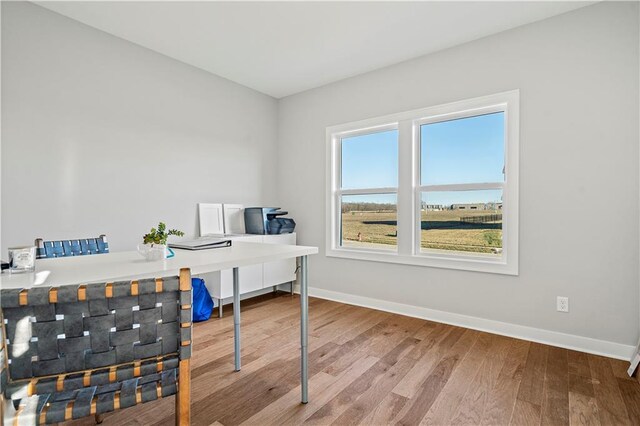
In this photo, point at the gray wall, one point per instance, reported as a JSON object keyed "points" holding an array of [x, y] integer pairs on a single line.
{"points": [[102, 136], [578, 80]]}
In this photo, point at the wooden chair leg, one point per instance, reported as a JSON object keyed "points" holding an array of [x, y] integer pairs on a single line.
{"points": [[183, 397], [99, 418]]}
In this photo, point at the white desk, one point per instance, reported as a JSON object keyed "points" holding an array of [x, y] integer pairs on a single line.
{"points": [[130, 265]]}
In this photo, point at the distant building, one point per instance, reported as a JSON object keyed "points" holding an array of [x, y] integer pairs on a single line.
{"points": [[477, 206], [468, 206], [433, 207]]}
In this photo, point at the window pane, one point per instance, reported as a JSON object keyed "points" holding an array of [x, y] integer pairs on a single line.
{"points": [[369, 221], [462, 221], [370, 161], [467, 150]]}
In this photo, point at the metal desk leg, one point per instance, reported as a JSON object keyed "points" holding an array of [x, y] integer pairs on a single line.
{"points": [[304, 330], [220, 308], [236, 317]]}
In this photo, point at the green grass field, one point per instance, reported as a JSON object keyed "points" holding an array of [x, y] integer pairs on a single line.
{"points": [[441, 230]]}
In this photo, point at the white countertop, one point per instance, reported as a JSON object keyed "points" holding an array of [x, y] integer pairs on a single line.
{"points": [[131, 265]]}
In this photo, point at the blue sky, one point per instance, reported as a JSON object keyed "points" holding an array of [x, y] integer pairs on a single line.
{"points": [[468, 150], [370, 161]]}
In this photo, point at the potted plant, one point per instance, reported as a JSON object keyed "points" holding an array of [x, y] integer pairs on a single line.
{"points": [[154, 243]]}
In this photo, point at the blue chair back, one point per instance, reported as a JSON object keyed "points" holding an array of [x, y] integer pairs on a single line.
{"points": [[80, 350], [63, 248]]}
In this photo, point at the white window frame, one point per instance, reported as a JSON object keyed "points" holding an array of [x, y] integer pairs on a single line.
{"points": [[409, 186], [339, 192]]}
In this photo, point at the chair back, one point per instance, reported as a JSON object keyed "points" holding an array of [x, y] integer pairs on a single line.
{"points": [[89, 349], [65, 248]]}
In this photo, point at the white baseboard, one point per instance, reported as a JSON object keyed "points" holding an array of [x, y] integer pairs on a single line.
{"points": [[553, 338]]}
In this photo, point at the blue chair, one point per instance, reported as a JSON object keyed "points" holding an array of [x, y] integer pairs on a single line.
{"points": [[63, 248], [89, 349]]}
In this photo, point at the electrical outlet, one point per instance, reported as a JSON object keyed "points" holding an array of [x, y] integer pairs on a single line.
{"points": [[562, 304]]}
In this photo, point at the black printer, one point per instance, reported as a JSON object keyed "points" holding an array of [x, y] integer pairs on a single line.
{"points": [[266, 220]]}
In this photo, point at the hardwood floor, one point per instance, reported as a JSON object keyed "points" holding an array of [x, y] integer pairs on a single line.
{"points": [[375, 368]]}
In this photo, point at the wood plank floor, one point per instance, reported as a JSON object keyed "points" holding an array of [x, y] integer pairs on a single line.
{"points": [[375, 368]]}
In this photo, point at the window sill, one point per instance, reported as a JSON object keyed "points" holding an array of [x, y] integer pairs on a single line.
{"points": [[459, 262]]}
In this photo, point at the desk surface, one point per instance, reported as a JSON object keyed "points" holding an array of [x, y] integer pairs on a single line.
{"points": [[131, 265]]}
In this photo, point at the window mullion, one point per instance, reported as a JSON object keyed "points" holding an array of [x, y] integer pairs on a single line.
{"points": [[405, 188], [336, 183], [367, 191], [463, 186]]}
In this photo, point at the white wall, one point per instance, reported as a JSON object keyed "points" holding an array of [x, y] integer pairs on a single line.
{"points": [[578, 80], [102, 136]]}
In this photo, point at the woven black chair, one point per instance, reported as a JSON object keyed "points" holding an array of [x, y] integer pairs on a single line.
{"points": [[64, 248], [81, 350]]}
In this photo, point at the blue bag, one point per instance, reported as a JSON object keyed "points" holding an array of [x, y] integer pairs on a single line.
{"points": [[202, 302]]}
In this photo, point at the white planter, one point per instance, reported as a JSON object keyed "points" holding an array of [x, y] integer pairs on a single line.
{"points": [[153, 251]]}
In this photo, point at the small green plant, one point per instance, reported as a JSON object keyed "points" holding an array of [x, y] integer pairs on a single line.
{"points": [[160, 235]]}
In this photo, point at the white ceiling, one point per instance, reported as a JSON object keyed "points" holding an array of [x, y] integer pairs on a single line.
{"points": [[281, 48]]}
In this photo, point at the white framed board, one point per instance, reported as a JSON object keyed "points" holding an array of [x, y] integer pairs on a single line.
{"points": [[210, 219], [233, 218]]}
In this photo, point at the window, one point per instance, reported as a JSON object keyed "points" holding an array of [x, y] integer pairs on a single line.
{"points": [[461, 168], [368, 188], [434, 187]]}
